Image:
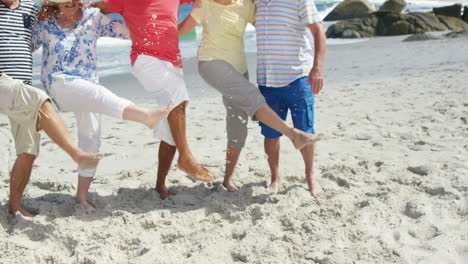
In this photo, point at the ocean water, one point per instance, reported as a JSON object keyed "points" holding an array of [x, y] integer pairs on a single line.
{"points": [[113, 54]]}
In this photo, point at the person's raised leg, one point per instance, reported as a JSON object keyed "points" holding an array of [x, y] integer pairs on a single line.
{"points": [[165, 157], [53, 125], [148, 117], [299, 138], [99, 99], [314, 186], [167, 83], [186, 161], [272, 149], [19, 178]]}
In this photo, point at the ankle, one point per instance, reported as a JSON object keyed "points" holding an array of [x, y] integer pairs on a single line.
{"points": [[160, 187], [81, 198], [12, 210], [227, 182], [291, 133], [276, 180], [185, 156]]}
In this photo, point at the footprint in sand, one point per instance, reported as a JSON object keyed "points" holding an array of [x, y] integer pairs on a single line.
{"points": [[151, 143], [419, 170], [338, 180], [414, 209], [52, 186]]}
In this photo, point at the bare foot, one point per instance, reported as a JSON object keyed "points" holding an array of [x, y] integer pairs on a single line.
{"points": [[274, 187], [23, 212], [157, 114], [314, 188], [230, 186], [303, 139], [164, 193], [87, 160], [194, 170], [89, 207]]}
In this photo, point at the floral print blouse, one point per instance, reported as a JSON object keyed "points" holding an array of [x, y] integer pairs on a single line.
{"points": [[70, 53]]}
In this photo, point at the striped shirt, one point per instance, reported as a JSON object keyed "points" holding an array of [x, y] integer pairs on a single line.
{"points": [[15, 40], [284, 47]]}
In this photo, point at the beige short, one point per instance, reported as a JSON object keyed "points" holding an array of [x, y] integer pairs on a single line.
{"points": [[22, 104]]}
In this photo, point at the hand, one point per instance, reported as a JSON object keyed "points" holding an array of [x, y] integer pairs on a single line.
{"points": [[315, 80], [86, 2], [197, 4], [46, 13]]}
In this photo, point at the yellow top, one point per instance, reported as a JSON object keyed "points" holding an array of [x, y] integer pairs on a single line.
{"points": [[223, 31]]}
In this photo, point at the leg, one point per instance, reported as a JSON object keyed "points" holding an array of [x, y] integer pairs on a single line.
{"points": [[19, 178], [89, 133], [272, 149], [299, 138], [82, 193], [186, 161], [29, 110], [233, 85], [236, 128], [165, 158], [314, 186], [98, 99], [301, 104], [27, 141], [147, 117], [232, 156], [53, 125], [167, 83]]}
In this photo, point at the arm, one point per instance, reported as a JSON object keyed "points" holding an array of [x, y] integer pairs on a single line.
{"points": [[320, 43], [195, 18], [253, 14], [101, 6], [113, 28], [36, 37], [188, 24]]}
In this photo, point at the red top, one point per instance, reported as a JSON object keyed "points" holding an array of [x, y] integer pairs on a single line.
{"points": [[153, 27]]}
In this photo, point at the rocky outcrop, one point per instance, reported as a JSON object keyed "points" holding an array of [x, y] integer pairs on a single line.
{"points": [[451, 11], [394, 6], [350, 9], [354, 28], [457, 34], [465, 14], [392, 24], [453, 23]]}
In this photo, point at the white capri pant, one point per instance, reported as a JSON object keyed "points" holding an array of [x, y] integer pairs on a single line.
{"points": [[87, 100], [167, 84]]}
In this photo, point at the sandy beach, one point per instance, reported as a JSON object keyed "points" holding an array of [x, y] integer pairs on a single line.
{"points": [[393, 163]]}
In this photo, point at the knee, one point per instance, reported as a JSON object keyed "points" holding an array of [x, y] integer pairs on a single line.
{"points": [[237, 134], [46, 106], [166, 148], [26, 157], [272, 144], [272, 141], [238, 142]]}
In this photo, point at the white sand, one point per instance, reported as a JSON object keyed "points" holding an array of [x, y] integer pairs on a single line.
{"points": [[393, 162]]}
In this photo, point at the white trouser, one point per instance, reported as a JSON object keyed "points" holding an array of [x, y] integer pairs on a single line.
{"points": [[88, 100], [167, 84]]}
